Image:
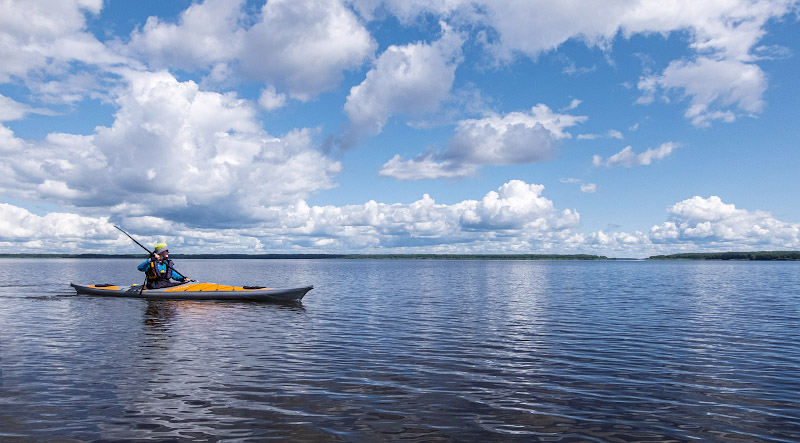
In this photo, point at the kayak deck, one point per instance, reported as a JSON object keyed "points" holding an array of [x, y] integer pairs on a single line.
{"points": [[196, 291]]}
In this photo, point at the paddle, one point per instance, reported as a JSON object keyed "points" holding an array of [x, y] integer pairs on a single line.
{"points": [[151, 254]]}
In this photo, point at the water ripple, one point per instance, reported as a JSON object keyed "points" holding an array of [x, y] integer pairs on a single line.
{"points": [[411, 350]]}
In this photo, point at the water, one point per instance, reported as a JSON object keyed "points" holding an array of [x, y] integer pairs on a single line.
{"points": [[418, 350]]}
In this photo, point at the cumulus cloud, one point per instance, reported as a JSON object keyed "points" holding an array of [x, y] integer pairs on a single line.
{"points": [[716, 89], [411, 80], [175, 150], [183, 159], [8, 144], [514, 209], [32, 34], [11, 109], [425, 167], [499, 141], [513, 138], [518, 205], [302, 47], [535, 27], [710, 222], [305, 46], [271, 99], [205, 34], [618, 242], [517, 137], [515, 215], [721, 81], [698, 225], [628, 158], [41, 40], [515, 218], [22, 231]]}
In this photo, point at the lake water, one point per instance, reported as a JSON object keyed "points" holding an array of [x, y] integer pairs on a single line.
{"points": [[420, 350]]}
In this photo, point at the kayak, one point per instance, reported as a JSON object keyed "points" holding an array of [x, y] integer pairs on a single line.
{"points": [[195, 291]]}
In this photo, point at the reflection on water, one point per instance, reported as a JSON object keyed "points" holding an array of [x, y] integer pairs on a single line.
{"points": [[411, 350], [159, 314]]}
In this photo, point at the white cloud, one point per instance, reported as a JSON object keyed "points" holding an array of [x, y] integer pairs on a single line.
{"points": [[518, 205], [205, 34], [304, 46], [8, 144], [22, 231], [617, 241], [181, 158], [709, 222], [588, 188], [715, 88], [173, 150], [772, 52], [36, 34], [514, 138], [11, 109], [515, 209], [720, 80], [535, 27], [628, 158], [612, 133], [271, 100], [425, 167], [514, 216], [40, 43], [727, 27], [572, 105], [411, 80]]}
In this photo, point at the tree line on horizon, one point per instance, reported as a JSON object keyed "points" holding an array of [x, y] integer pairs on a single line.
{"points": [[755, 256], [332, 256], [751, 256]]}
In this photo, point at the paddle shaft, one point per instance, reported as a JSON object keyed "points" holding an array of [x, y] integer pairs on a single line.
{"points": [[149, 251]]}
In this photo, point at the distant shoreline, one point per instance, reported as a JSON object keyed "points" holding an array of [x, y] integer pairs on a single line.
{"points": [[333, 256], [737, 256], [698, 256]]}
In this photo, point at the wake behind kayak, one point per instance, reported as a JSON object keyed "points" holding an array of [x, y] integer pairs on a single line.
{"points": [[196, 291]]}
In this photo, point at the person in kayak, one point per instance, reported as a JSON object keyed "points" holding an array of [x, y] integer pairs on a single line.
{"points": [[159, 270]]}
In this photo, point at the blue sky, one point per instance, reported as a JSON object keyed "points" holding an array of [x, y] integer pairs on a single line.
{"points": [[365, 126]]}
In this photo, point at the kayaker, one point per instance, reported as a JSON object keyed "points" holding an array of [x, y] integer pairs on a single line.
{"points": [[159, 270]]}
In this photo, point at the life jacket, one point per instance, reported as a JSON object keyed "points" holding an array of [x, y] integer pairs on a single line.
{"points": [[153, 274]]}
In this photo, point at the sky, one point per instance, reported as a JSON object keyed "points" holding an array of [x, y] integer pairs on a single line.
{"points": [[624, 128]]}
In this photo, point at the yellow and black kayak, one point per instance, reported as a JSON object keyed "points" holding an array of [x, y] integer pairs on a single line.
{"points": [[196, 291]]}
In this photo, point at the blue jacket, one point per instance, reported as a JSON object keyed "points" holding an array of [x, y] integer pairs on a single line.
{"points": [[161, 268]]}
